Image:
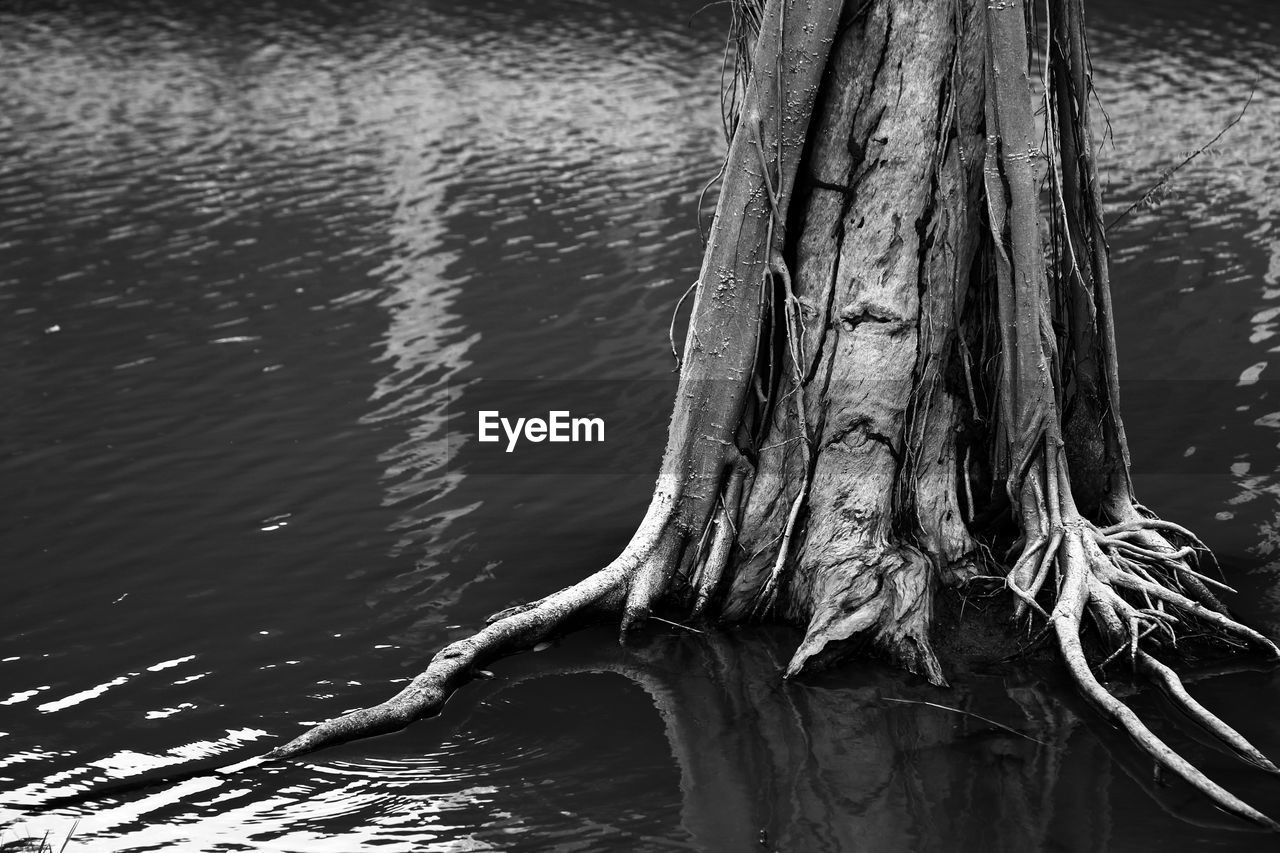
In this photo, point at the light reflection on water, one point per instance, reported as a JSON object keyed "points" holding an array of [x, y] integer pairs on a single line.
{"points": [[247, 255]]}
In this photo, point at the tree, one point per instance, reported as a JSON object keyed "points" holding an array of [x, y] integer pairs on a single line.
{"points": [[893, 369]]}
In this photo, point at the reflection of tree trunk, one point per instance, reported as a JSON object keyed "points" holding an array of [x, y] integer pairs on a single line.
{"points": [[837, 767]]}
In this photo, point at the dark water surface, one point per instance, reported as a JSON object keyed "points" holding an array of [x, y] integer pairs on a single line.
{"points": [[249, 253]]}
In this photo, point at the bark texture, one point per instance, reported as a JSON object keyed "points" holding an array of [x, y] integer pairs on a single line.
{"points": [[881, 267]]}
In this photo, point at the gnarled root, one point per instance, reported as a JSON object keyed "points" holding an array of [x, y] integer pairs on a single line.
{"points": [[1126, 588], [1139, 530]]}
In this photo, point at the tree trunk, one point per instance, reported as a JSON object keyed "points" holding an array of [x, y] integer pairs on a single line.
{"points": [[885, 382], [889, 231]]}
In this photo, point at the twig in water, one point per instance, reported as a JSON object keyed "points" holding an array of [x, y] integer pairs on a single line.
{"points": [[1194, 154], [967, 714], [676, 624], [70, 833]]}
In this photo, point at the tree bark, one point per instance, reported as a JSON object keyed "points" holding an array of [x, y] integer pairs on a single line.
{"points": [[882, 263]]}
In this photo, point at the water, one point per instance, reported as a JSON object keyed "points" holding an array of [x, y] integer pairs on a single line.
{"points": [[249, 255]]}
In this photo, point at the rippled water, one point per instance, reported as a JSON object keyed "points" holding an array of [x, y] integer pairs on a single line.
{"points": [[250, 255]]}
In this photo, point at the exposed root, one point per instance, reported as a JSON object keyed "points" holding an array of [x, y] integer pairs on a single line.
{"points": [[506, 632], [1169, 681], [454, 665], [1151, 537], [1069, 643], [795, 341], [1091, 580], [649, 582], [1125, 587]]}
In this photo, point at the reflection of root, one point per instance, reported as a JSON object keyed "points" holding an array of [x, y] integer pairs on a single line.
{"points": [[1130, 580]]}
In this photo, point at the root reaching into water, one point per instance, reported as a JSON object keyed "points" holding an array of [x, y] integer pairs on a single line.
{"points": [[508, 632], [1129, 592]]}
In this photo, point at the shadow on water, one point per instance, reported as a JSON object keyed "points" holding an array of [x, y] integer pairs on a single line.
{"points": [[255, 259]]}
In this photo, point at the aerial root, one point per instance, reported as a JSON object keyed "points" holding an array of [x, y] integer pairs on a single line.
{"points": [[708, 574], [1092, 580], [795, 347]]}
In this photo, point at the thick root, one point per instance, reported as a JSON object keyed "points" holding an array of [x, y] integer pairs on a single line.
{"points": [[1069, 644], [649, 583]]}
